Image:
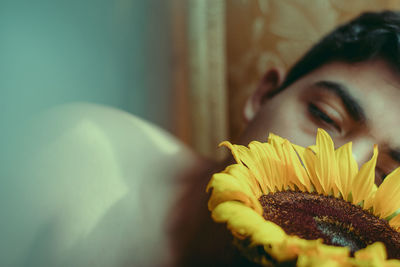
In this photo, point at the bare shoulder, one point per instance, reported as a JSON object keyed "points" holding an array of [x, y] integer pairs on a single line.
{"points": [[122, 128], [100, 183], [128, 141]]}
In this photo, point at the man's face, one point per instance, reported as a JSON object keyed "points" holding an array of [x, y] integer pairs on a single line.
{"points": [[352, 102]]}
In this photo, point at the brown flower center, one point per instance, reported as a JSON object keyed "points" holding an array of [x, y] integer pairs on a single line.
{"points": [[337, 222]]}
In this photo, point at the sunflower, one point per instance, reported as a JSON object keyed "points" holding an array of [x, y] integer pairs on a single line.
{"points": [[286, 204]]}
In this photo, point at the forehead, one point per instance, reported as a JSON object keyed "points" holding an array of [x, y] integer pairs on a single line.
{"points": [[375, 86]]}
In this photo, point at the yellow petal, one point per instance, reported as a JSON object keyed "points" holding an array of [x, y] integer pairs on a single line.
{"points": [[348, 169], [369, 201], [276, 141], [313, 260], [245, 222], [313, 148], [227, 182], [218, 198], [235, 183], [270, 165], [326, 166], [294, 246], [255, 164], [387, 198], [362, 186], [376, 251], [392, 263], [297, 173], [395, 223], [333, 252], [246, 178], [289, 248], [310, 161], [372, 255], [299, 150], [233, 150], [263, 161]]}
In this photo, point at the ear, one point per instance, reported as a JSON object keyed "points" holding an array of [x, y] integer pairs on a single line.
{"points": [[270, 82]]}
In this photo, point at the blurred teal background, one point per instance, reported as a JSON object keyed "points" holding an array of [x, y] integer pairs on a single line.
{"points": [[112, 52]]}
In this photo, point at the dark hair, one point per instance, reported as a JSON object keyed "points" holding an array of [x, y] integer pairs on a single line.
{"points": [[368, 36]]}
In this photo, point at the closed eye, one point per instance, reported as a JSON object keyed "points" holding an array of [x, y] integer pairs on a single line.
{"points": [[321, 117]]}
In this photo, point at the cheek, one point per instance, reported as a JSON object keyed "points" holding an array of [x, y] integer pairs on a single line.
{"points": [[284, 116], [292, 122]]}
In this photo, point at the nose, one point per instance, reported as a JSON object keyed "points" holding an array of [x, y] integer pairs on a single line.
{"points": [[362, 149]]}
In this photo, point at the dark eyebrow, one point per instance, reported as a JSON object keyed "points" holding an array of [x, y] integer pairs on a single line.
{"points": [[352, 106]]}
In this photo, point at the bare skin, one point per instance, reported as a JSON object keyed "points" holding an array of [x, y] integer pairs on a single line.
{"points": [[353, 102], [100, 157], [368, 115]]}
